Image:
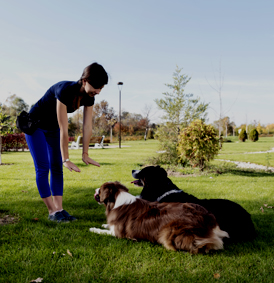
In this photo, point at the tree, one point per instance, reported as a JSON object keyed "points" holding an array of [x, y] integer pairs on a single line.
{"points": [[103, 118], [219, 89], [15, 105], [5, 127], [259, 128], [243, 135], [146, 112], [198, 143], [72, 128], [179, 110], [227, 126], [254, 135], [76, 122]]}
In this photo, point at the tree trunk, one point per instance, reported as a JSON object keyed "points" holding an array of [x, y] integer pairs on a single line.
{"points": [[145, 137], [110, 133]]}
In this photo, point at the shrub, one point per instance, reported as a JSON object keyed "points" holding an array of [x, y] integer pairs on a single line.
{"points": [[150, 134], [14, 142], [198, 143], [242, 135], [254, 135], [71, 139]]}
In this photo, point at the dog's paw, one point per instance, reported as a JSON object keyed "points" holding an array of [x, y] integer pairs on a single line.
{"points": [[94, 230], [106, 226]]}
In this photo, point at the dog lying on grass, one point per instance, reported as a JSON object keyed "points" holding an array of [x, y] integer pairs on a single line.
{"points": [[177, 226], [230, 216]]}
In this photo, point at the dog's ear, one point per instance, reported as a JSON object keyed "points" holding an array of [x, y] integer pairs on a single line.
{"points": [[108, 191], [119, 186], [162, 172]]}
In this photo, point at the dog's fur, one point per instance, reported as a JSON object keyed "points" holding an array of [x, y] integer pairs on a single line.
{"points": [[230, 216], [177, 226]]}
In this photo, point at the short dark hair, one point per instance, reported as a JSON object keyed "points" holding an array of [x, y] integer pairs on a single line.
{"points": [[95, 74]]}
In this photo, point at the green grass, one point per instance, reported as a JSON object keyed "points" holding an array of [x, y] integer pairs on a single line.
{"points": [[33, 248], [236, 150]]}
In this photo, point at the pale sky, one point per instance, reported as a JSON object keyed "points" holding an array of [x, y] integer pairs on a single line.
{"points": [[140, 43]]}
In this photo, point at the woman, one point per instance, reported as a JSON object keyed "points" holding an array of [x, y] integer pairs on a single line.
{"points": [[49, 143]]}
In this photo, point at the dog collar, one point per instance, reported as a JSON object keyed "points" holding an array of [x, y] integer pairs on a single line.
{"points": [[168, 193]]}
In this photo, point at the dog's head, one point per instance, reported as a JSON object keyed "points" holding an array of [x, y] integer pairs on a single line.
{"points": [[108, 193], [153, 179]]}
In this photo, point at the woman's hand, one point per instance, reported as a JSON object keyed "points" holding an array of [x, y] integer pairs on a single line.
{"points": [[88, 160], [71, 166]]}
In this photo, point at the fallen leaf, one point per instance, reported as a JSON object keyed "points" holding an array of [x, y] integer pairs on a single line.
{"points": [[24, 191], [37, 280], [35, 219], [217, 275], [69, 253]]}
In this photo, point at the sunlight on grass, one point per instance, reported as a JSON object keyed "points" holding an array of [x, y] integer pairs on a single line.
{"points": [[34, 247]]}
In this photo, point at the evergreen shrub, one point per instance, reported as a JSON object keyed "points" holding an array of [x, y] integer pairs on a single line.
{"points": [[243, 135], [254, 135], [198, 143]]}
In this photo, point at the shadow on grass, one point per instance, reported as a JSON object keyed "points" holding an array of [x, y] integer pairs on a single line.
{"points": [[78, 164], [249, 173]]}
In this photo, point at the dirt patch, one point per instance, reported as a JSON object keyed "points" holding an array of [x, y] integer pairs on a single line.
{"points": [[7, 219], [6, 164], [179, 174]]}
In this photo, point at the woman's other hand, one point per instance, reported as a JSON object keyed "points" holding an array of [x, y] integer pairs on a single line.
{"points": [[71, 166], [86, 159]]}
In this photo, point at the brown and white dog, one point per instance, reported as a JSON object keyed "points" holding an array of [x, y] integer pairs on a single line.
{"points": [[177, 226]]}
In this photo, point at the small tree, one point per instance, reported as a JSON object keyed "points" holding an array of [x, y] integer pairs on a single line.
{"points": [[198, 143], [254, 135], [243, 135], [179, 110]]}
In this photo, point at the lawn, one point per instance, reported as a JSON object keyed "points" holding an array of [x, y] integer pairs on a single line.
{"points": [[241, 151], [33, 247]]}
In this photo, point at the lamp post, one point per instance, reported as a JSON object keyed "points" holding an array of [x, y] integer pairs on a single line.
{"points": [[120, 84]]}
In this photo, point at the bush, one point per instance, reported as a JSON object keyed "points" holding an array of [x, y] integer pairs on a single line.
{"points": [[150, 134], [14, 142], [242, 135], [198, 143], [254, 135]]}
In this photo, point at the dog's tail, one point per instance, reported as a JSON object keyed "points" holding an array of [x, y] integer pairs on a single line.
{"points": [[187, 241], [213, 242]]}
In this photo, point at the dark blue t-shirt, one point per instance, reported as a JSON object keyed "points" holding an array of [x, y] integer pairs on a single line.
{"points": [[66, 92]]}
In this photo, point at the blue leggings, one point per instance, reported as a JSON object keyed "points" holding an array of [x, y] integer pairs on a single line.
{"points": [[44, 147]]}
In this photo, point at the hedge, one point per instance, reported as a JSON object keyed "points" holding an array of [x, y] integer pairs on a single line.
{"points": [[14, 142]]}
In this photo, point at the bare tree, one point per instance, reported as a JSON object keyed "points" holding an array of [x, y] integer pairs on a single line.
{"points": [[219, 83], [146, 112]]}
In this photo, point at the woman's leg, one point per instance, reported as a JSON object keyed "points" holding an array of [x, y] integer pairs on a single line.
{"points": [[56, 171], [38, 148], [56, 167], [49, 202]]}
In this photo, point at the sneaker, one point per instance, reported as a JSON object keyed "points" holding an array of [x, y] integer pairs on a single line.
{"points": [[58, 217], [68, 216]]}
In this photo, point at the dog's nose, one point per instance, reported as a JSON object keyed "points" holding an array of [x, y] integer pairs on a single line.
{"points": [[135, 174]]}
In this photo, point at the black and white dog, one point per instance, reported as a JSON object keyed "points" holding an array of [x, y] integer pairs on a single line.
{"points": [[230, 216]]}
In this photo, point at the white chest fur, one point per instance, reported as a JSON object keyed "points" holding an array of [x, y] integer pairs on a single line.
{"points": [[124, 198]]}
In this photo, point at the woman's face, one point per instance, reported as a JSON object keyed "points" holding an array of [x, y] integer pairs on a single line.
{"points": [[90, 90]]}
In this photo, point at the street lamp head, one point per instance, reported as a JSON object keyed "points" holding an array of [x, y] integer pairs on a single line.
{"points": [[120, 83]]}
